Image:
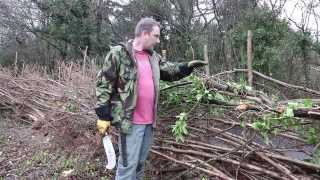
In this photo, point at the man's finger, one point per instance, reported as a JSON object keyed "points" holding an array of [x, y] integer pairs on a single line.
{"points": [[108, 130]]}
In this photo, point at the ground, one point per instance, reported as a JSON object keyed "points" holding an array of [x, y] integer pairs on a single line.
{"points": [[28, 153]]}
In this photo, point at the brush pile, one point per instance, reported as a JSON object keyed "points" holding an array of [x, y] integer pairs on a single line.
{"points": [[226, 134]]}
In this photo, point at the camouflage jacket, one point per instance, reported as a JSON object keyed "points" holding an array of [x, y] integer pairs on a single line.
{"points": [[116, 87]]}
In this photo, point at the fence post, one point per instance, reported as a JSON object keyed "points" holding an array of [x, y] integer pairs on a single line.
{"points": [[250, 58], [206, 59]]}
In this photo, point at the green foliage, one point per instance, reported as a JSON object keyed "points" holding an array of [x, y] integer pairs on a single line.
{"points": [[273, 123], [196, 93], [316, 157], [313, 135], [67, 163], [71, 107], [6, 58], [72, 27], [240, 88], [273, 40], [179, 129], [203, 178], [193, 95], [308, 103], [199, 92], [41, 157]]}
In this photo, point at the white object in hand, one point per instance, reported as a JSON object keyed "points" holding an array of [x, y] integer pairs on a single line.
{"points": [[111, 155]]}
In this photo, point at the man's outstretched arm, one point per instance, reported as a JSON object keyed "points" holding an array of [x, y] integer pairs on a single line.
{"points": [[173, 71]]}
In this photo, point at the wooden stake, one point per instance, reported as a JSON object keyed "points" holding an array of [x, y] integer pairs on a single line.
{"points": [[16, 64], [206, 59], [84, 60], [249, 54], [164, 54]]}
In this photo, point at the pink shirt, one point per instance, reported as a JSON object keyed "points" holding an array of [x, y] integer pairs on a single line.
{"points": [[144, 111]]}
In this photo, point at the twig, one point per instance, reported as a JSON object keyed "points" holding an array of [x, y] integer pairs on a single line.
{"points": [[176, 85], [301, 88], [212, 173]]}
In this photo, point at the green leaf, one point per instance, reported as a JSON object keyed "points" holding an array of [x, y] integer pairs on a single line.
{"points": [[210, 97], [184, 130], [242, 124], [266, 138], [293, 105], [248, 88], [308, 103], [182, 116], [289, 112], [218, 96], [257, 125], [199, 97]]}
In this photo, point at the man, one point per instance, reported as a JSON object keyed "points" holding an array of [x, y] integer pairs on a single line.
{"points": [[127, 92]]}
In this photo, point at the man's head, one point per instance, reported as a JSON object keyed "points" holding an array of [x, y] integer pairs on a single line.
{"points": [[148, 32]]}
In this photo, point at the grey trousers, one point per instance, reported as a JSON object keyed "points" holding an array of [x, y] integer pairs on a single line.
{"points": [[139, 143]]}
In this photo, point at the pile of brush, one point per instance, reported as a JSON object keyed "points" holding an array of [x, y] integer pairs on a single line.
{"points": [[217, 145]]}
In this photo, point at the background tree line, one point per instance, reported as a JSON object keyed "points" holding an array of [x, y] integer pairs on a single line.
{"points": [[45, 31]]}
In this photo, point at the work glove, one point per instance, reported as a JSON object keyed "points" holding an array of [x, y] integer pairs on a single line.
{"points": [[103, 127], [196, 63]]}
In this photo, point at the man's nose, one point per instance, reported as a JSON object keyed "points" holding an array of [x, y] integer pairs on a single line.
{"points": [[158, 40]]}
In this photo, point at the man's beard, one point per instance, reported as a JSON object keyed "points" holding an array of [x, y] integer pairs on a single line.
{"points": [[149, 49]]}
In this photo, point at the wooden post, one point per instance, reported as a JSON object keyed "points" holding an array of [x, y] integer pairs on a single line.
{"points": [[164, 54], [92, 67], [206, 59], [84, 60], [192, 51], [250, 57], [59, 73], [16, 64], [70, 70]]}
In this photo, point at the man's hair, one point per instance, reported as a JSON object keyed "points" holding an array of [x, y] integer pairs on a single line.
{"points": [[145, 24]]}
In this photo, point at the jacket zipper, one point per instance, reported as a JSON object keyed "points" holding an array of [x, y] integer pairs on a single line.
{"points": [[155, 91]]}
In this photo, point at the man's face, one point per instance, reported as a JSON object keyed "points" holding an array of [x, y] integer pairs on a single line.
{"points": [[152, 38]]}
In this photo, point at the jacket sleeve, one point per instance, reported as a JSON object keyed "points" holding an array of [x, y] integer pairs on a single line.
{"points": [[172, 71], [106, 87]]}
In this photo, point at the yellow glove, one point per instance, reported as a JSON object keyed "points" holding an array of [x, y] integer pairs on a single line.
{"points": [[103, 126]]}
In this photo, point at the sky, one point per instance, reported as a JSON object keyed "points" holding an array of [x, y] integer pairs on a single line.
{"points": [[298, 11]]}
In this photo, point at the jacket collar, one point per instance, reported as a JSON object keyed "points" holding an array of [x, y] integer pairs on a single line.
{"points": [[129, 47]]}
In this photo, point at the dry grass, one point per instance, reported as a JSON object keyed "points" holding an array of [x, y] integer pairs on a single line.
{"points": [[55, 107]]}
